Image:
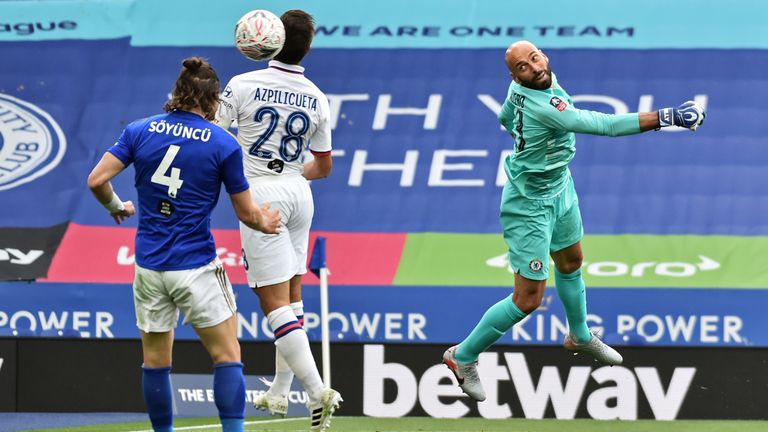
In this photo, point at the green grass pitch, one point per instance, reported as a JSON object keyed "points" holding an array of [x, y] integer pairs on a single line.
{"points": [[425, 424]]}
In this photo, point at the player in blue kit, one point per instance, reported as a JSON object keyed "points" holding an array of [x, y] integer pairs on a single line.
{"points": [[540, 209], [181, 161]]}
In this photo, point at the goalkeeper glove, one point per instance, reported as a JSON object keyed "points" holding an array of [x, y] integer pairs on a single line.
{"points": [[689, 115]]}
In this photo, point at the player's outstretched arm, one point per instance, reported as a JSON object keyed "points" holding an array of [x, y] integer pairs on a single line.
{"points": [[99, 182], [261, 219], [559, 115]]}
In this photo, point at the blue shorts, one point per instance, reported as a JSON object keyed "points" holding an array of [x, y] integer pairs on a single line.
{"points": [[533, 228]]}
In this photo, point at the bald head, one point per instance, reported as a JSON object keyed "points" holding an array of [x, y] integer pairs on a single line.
{"points": [[518, 50], [528, 65]]}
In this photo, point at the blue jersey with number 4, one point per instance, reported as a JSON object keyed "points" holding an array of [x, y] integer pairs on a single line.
{"points": [[181, 161]]}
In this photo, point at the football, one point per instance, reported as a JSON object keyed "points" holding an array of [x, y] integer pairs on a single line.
{"points": [[259, 35]]}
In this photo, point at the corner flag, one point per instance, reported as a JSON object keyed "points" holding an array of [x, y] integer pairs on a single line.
{"points": [[319, 267], [318, 261]]}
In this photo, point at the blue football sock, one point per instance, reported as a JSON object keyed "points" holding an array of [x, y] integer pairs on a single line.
{"points": [[229, 394], [572, 293], [495, 322], [232, 425], [158, 397]]}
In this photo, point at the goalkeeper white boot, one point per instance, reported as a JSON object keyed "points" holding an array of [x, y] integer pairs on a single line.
{"points": [[596, 348], [274, 404], [465, 373], [322, 412]]}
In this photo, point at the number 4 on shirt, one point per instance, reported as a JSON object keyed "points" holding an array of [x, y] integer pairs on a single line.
{"points": [[173, 181]]}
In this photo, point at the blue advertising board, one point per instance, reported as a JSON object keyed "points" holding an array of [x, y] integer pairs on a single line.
{"points": [[434, 162], [409, 314]]}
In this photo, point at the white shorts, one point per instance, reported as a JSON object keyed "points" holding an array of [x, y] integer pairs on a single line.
{"points": [[273, 258], [203, 294]]}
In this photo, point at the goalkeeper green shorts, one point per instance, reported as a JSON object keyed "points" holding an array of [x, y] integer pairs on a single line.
{"points": [[533, 228]]}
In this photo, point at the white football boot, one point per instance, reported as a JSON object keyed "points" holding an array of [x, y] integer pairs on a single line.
{"points": [[275, 405], [321, 413], [596, 348], [465, 373]]}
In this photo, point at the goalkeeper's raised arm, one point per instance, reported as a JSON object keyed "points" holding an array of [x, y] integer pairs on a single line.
{"points": [[536, 93]]}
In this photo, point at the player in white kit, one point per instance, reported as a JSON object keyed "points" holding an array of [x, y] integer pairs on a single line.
{"points": [[281, 115]]}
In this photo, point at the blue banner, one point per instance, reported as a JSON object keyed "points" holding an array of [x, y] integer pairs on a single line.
{"points": [[400, 314], [434, 167]]}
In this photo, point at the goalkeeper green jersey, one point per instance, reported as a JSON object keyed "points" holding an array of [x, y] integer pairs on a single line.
{"points": [[544, 124]]}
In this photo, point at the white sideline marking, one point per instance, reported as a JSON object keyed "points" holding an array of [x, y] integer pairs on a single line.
{"points": [[1, 362], [218, 424]]}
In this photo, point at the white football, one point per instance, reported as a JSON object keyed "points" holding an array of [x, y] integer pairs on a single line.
{"points": [[259, 35]]}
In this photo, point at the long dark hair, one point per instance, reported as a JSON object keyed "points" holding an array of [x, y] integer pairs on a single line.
{"points": [[197, 87], [299, 32]]}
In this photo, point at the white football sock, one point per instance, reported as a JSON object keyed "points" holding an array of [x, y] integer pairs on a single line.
{"points": [[283, 373], [293, 345]]}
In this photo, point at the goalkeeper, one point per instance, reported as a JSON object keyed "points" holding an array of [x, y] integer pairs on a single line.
{"points": [[540, 209]]}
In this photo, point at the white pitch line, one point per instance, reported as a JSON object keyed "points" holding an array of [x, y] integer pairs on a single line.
{"points": [[246, 423], [277, 420]]}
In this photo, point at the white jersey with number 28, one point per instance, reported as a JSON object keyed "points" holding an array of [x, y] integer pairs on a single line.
{"points": [[280, 115]]}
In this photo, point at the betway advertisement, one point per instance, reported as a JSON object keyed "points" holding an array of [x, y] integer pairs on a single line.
{"points": [[535, 383], [396, 380], [7, 376], [676, 240]]}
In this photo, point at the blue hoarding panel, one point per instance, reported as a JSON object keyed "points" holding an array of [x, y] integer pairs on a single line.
{"points": [[404, 314]]}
